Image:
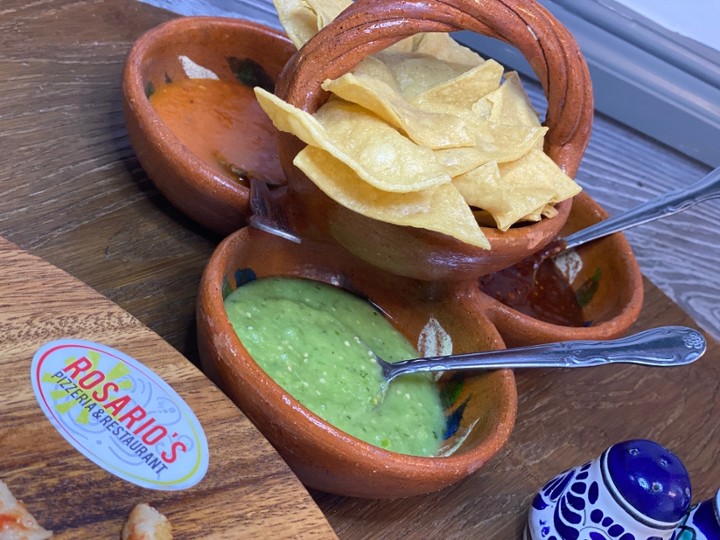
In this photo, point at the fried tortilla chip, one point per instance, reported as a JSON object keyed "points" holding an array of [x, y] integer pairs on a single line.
{"points": [[513, 191], [511, 105], [302, 19], [379, 154], [493, 142], [463, 91], [429, 129], [440, 208], [418, 72], [443, 47]]}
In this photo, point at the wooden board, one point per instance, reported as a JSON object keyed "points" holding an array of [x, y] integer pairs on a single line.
{"points": [[248, 490]]}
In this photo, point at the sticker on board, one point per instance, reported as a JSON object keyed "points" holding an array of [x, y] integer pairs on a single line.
{"points": [[119, 414]]}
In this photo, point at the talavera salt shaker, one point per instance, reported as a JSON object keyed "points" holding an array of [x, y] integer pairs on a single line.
{"points": [[702, 521], [635, 490]]}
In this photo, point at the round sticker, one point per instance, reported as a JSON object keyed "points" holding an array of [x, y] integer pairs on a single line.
{"points": [[119, 414]]}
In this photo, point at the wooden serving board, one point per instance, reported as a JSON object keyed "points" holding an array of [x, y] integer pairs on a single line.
{"points": [[248, 491]]}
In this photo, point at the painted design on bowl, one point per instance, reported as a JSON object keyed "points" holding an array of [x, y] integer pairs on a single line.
{"points": [[244, 70]]}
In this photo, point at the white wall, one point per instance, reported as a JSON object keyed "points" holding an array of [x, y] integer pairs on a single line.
{"points": [[695, 19]]}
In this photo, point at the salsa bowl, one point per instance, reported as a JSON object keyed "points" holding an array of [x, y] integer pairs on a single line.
{"points": [[602, 279], [212, 133], [480, 414]]}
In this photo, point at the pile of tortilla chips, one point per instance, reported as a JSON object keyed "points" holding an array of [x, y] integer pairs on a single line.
{"points": [[425, 134]]}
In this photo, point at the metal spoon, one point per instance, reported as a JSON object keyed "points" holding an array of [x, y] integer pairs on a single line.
{"points": [[662, 346], [666, 205], [267, 214], [524, 272]]}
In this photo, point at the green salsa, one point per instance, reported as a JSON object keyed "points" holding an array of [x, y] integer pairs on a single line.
{"points": [[315, 340]]}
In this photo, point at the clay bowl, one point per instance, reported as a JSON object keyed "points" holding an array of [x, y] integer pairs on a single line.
{"points": [[606, 280], [369, 26], [322, 456], [184, 153]]}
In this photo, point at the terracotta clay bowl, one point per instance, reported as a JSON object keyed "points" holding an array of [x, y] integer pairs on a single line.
{"points": [[180, 155], [322, 456], [369, 26], [606, 281]]}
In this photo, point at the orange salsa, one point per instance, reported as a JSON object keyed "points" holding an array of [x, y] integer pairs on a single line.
{"points": [[222, 123]]}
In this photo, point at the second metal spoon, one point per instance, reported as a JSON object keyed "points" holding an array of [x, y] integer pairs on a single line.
{"points": [[662, 346], [666, 205]]}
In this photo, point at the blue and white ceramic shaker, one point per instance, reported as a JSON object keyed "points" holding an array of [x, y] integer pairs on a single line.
{"points": [[635, 490], [702, 521]]}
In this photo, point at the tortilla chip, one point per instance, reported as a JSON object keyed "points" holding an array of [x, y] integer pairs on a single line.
{"points": [[440, 208], [511, 105], [418, 72], [511, 191], [547, 210], [443, 47], [302, 19], [462, 91], [379, 154], [493, 142], [375, 68], [429, 129]]}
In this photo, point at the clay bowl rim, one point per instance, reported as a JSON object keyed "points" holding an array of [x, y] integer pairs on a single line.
{"points": [[452, 468], [154, 136]]}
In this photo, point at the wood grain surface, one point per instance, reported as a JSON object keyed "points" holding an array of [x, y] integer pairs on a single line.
{"points": [[72, 192], [248, 490]]}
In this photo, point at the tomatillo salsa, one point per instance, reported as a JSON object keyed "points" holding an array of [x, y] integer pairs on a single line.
{"points": [[315, 340]]}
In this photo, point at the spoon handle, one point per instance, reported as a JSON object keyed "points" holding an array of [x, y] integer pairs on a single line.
{"points": [[663, 206], [267, 214], [662, 346]]}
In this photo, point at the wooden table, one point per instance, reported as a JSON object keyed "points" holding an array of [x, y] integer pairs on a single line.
{"points": [[72, 192]]}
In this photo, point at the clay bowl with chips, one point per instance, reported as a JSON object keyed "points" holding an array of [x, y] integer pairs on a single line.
{"points": [[594, 292], [481, 410], [192, 117], [368, 27]]}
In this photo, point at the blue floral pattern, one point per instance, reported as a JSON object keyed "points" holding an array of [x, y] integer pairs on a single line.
{"points": [[573, 496], [579, 504]]}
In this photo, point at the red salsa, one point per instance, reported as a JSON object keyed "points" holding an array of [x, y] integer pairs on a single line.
{"points": [[537, 288]]}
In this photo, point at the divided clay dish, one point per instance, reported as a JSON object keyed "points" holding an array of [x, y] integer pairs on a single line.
{"points": [[322, 456], [233, 50], [413, 275]]}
